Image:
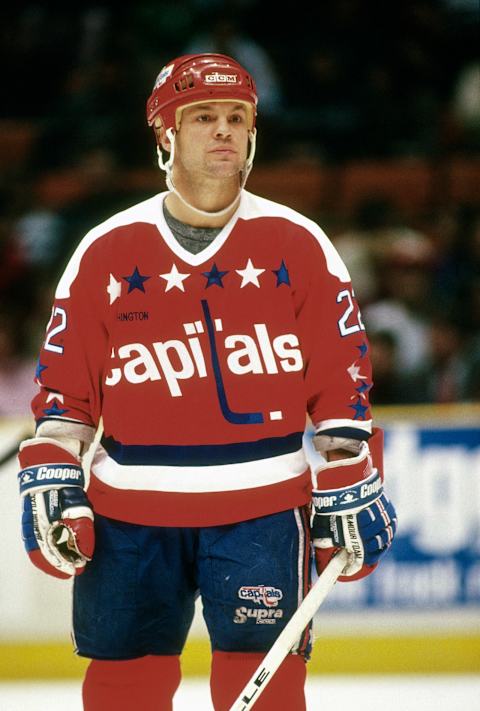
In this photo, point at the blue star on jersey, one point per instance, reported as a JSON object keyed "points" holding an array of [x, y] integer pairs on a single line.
{"points": [[362, 389], [39, 370], [363, 348], [214, 277], [282, 274], [360, 410], [55, 410], [135, 281]]}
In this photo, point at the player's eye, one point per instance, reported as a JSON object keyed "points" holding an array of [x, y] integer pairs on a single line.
{"points": [[204, 117], [236, 118]]}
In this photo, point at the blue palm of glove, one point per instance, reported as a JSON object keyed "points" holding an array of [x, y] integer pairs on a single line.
{"points": [[377, 525]]}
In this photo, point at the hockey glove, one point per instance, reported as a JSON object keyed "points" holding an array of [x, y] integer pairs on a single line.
{"points": [[351, 511], [57, 519]]}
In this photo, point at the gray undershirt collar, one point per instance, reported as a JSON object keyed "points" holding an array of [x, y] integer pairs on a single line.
{"points": [[193, 239]]}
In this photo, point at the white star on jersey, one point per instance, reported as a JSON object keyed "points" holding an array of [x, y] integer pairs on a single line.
{"points": [[354, 372], [249, 274], [174, 278], [55, 396], [114, 289]]}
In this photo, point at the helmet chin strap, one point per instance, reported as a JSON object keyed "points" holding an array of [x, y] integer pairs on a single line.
{"points": [[167, 166]]}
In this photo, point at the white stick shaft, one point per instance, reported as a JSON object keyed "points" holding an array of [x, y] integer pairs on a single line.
{"points": [[289, 635]]}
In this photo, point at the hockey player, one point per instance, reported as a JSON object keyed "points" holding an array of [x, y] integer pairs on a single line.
{"points": [[201, 326]]}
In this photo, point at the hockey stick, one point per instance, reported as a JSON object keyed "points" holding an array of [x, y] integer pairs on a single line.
{"points": [[289, 635]]}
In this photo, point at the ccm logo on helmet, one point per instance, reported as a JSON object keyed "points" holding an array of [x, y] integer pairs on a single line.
{"points": [[217, 78]]}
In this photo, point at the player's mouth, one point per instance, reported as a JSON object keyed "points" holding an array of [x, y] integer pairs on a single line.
{"points": [[223, 151], [222, 147]]}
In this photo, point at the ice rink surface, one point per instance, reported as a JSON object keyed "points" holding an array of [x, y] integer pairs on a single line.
{"points": [[395, 693]]}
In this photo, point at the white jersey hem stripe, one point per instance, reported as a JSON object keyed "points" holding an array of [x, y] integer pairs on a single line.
{"points": [[224, 477]]}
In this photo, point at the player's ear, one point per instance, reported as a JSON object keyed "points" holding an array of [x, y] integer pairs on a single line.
{"points": [[161, 135]]}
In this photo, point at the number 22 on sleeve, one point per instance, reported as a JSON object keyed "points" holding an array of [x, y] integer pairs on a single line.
{"points": [[347, 323], [61, 314]]}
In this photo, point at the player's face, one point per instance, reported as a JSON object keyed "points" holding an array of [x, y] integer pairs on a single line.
{"points": [[212, 140]]}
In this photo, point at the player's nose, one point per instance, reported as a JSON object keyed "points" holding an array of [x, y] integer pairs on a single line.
{"points": [[222, 127]]}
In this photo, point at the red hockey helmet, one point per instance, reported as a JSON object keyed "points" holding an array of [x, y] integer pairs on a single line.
{"points": [[199, 78]]}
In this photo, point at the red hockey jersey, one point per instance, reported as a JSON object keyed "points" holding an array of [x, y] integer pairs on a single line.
{"points": [[203, 367]]}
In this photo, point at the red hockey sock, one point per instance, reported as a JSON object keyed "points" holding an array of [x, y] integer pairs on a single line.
{"points": [[232, 670], [147, 683]]}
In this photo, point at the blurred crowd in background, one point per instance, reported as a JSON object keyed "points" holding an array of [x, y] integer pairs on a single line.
{"points": [[339, 81]]}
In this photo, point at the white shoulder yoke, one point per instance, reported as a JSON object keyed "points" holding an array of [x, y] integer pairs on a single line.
{"points": [[253, 206], [146, 211]]}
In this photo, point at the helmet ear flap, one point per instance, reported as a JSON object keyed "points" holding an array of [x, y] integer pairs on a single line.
{"points": [[161, 134], [157, 129]]}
